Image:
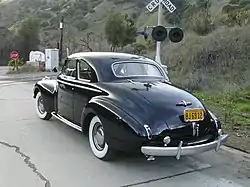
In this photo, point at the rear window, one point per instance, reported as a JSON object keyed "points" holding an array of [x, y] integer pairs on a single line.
{"points": [[134, 69]]}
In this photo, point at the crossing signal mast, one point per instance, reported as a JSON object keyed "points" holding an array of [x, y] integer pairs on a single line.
{"points": [[159, 33]]}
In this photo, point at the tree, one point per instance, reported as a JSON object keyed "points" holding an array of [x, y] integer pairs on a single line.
{"points": [[7, 44], [235, 17], [177, 15], [236, 13], [70, 39], [85, 42], [205, 4], [94, 42], [120, 31], [29, 40], [139, 49], [198, 17]]}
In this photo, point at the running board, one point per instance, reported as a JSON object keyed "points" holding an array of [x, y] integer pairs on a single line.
{"points": [[67, 122]]}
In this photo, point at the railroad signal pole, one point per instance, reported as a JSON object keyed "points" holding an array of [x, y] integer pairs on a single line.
{"points": [[158, 44], [151, 6]]}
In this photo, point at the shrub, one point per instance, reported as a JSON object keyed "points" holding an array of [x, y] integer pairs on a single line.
{"points": [[15, 64], [219, 61], [139, 49], [200, 22]]}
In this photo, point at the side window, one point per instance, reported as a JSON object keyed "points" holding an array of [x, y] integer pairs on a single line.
{"points": [[86, 72], [69, 68]]}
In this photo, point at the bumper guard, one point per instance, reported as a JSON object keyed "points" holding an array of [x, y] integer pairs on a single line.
{"points": [[187, 150]]}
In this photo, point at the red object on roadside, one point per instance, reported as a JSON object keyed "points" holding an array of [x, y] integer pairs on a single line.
{"points": [[14, 55]]}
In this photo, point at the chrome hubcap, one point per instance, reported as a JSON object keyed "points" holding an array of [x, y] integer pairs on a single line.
{"points": [[40, 105], [98, 136]]}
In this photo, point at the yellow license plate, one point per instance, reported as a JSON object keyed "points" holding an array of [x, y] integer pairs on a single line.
{"points": [[191, 115]]}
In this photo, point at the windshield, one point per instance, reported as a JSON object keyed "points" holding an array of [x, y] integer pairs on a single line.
{"points": [[130, 69]]}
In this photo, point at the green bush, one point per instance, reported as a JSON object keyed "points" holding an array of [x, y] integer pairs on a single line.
{"points": [[81, 25], [219, 61], [139, 49], [15, 64]]}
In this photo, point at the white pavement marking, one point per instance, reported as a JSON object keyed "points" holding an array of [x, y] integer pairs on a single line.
{"points": [[10, 83], [3, 82]]}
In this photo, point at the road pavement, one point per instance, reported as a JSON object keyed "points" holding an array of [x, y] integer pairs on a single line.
{"points": [[48, 153], [23, 76], [4, 70]]}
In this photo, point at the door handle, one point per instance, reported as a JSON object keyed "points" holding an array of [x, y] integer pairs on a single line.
{"points": [[62, 86]]}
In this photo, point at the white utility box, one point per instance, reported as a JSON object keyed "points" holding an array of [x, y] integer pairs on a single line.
{"points": [[36, 56], [52, 59]]}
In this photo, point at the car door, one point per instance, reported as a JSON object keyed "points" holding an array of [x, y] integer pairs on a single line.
{"points": [[85, 88], [65, 89]]}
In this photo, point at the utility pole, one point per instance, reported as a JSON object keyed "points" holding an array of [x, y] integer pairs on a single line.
{"points": [[61, 39]]}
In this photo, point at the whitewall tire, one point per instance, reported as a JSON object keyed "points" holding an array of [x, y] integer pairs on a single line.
{"points": [[40, 108], [97, 142]]}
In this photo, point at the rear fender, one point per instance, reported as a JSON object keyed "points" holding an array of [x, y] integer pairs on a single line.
{"points": [[48, 89], [120, 128]]}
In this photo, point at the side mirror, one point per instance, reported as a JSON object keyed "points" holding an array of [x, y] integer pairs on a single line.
{"points": [[55, 69]]}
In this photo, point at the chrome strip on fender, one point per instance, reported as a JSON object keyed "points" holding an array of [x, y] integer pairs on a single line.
{"points": [[57, 116], [78, 86]]}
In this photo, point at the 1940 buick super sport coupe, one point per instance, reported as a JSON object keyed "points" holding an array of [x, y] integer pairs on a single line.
{"points": [[126, 103]]}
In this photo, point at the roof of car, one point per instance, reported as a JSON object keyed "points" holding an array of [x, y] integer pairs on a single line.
{"points": [[102, 61], [106, 56]]}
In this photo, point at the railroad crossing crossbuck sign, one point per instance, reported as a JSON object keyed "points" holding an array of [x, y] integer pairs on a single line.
{"points": [[155, 3]]}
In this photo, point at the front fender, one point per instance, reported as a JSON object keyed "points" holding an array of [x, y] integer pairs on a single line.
{"points": [[49, 85], [48, 89]]}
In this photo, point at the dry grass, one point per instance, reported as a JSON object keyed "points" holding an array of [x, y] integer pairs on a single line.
{"points": [[220, 61], [25, 69]]}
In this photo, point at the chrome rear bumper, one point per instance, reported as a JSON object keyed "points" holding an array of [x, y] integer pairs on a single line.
{"points": [[187, 150]]}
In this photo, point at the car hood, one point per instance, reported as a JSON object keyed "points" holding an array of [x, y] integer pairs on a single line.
{"points": [[154, 105]]}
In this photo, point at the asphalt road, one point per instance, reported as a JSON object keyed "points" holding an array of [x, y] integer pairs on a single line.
{"points": [[36, 153], [3, 70]]}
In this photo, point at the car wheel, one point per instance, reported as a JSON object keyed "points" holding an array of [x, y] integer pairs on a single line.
{"points": [[40, 108], [97, 142]]}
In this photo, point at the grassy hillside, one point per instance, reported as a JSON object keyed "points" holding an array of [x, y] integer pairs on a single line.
{"points": [[81, 16]]}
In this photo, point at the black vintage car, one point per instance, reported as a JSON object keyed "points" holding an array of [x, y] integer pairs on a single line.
{"points": [[126, 103]]}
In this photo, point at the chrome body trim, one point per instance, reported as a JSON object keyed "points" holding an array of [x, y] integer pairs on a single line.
{"points": [[34, 87], [78, 74], [67, 122], [117, 115], [148, 131], [187, 150], [160, 69], [87, 62], [78, 86]]}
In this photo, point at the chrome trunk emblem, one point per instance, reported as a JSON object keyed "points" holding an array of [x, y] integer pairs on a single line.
{"points": [[148, 131], [183, 103], [195, 127]]}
